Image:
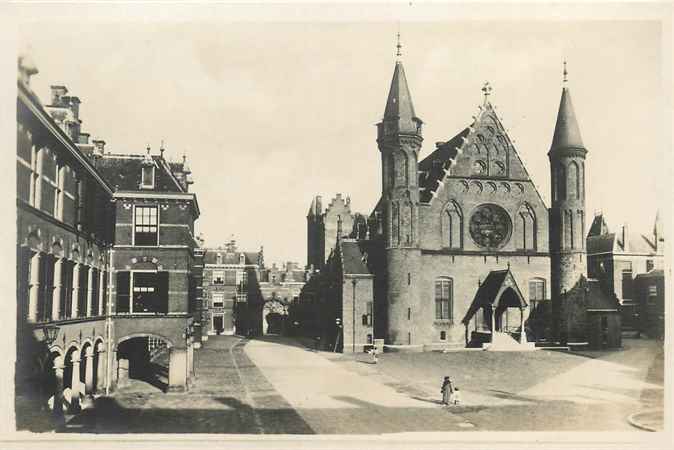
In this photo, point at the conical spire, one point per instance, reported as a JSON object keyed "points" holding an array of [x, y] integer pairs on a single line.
{"points": [[567, 133]]}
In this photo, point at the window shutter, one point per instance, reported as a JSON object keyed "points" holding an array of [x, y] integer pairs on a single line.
{"points": [[123, 281], [163, 285]]}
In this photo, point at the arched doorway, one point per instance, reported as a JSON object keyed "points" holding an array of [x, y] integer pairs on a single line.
{"points": [[143, 360], [274, 316]]}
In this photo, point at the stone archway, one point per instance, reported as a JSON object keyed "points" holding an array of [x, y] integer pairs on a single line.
{"points": [[143, 358], [274, 315]]}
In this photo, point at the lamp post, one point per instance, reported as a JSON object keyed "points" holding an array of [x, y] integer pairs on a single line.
{"points": [[49, 334], [354, 282]]}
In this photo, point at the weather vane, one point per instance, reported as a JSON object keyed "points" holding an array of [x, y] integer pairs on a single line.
{"points": [[398, 46], [486, 89], [565, 72]]}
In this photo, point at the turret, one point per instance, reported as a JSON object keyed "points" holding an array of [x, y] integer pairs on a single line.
{"points": [[567, 212], [399, 139]]}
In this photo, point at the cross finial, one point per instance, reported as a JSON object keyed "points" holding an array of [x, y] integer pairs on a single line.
{"points": [[486, 89], [398, 46], [565, 72], [148, 149]]}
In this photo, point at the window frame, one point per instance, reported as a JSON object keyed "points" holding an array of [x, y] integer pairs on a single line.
{"points": [[143, 181], [221, 296], [136, 225], [132, 279], [446, 310]]}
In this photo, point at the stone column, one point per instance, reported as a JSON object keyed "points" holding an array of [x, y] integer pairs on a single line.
{"points": [[75, 384], [34, 287], [76, 290], [90, 290], [89, 372], [58, 394], [523, 334], [493, 322], [56, 296], [100, 368], [101, 292], [177, 369]]}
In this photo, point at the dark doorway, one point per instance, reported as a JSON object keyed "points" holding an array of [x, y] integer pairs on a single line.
{"points": [[218, 324]]}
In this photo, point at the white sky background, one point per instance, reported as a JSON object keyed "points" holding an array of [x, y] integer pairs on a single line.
{"points": [[271, 114]]}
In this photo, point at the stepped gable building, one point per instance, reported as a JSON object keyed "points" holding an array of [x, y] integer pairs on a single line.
{"points": [[232, 299], [322, 227], [465, 215], [104, 259]]}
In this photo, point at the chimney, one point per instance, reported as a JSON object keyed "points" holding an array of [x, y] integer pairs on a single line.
{"points": [[83, 138], [57, 92], [625, 238], [26, 68], [99, 147], [74, 106]]}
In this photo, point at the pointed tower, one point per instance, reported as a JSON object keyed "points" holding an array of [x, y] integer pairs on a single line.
{"points": [[315, 236], [567, 214], [399, 139], [658, 235]]}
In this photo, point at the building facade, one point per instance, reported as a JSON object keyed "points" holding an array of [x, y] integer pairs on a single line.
{"points": [[104, 259], [616, 259], [231, 293], [322, 228]]}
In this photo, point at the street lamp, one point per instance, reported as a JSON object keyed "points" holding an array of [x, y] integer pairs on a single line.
{"points": [[50, 333]]}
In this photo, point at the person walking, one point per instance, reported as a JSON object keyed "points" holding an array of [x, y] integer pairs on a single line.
{"points": [[446, 390], [455, 398]]}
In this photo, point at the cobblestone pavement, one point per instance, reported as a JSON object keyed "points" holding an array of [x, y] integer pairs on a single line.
{"points": [[230, 395]]}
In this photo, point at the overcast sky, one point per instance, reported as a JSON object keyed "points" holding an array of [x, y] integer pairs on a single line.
{"points": [[271, 114]]}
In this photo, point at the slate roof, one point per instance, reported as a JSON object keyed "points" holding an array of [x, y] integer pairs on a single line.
{"points": [[124, 173], [228, 258], [434, 172], [354, 257], [489, 289], [597, 298], [399, 105], [657, 273], [600, 244], [567, 133]]}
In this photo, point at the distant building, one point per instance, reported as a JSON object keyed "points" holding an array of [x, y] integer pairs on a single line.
{"points": [[280, 287], [231, 290], [649, 294], [617, 258], [322, 228]]}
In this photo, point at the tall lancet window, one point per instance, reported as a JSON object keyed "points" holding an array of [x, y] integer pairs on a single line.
{"points": [[574, 180], [452, 226], [395, 224], [391, 171], [561, 182], [525, 234]]}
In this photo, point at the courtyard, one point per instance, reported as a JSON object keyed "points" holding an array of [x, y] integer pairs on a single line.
{"points": [[275, 385]]}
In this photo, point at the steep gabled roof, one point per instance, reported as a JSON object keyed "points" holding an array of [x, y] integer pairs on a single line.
{"points": [[600, 244], [124, 172], [433, 166], [492, 290], [354, 256]]}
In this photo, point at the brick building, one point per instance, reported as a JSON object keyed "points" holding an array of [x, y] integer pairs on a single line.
{"points": [[280, 288], [104, 258], [616, 259], [231, 292], [649, 293], [446, 223]]}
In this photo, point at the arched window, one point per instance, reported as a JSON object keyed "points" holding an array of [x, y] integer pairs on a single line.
{"points": [[407, 221], [395, 223], [391, 171], [526, 228], [582, 179], [561, 182], [452, 226], [574, 179], [536, 292], [444, 304]]}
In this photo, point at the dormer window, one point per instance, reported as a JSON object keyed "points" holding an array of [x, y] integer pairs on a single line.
{"points": [[147, 181], [242, 259]]}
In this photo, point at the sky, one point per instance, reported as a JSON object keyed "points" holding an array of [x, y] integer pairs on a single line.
{"points": [[270, 114]]}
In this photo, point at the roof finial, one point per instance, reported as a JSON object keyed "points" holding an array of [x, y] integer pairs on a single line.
{"points": [[565, 73], [161, 148], [148, 148], [486, 88], [398, 45]]}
